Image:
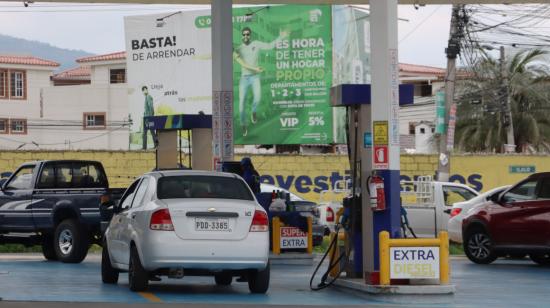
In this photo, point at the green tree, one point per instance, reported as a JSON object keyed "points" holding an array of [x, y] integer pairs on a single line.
{"points": [[481, 119]]}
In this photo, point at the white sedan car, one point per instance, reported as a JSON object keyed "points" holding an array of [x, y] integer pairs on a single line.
{"points": [[460, 210], [194, 223]]}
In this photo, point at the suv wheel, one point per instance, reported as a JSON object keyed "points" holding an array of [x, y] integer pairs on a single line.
{"points": [[478, 246], [138, 278], [540, 258], [258, 281], [48, 249], [71, 241], [109, 274]]}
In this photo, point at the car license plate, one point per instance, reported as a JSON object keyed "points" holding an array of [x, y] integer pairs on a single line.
{"points": [[212, 224]]}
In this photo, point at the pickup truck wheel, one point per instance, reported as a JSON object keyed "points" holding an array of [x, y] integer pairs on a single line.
{"points": [[48, 249], [71, 241], [540, 258], [109, 274], [478, 246], [138, 277], [258, 281]]}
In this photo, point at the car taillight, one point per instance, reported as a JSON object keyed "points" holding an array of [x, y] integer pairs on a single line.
{"points": [[161, 220], [260, 222], [455, 212], [330, 214]]}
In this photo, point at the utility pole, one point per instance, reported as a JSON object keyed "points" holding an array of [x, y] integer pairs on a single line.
{"points": [[507, 105], [452, 51]]}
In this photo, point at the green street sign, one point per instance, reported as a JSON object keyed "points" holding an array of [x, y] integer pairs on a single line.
{"points": [[522, 169]]}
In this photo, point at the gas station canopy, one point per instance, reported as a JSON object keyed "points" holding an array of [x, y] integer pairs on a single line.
{"points": [[342, 2]]}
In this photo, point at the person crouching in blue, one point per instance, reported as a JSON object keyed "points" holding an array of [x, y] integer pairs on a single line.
{"points": [[250, 175]]}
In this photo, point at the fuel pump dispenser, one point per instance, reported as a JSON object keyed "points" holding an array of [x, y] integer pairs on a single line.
{"points": [[374, 204]]}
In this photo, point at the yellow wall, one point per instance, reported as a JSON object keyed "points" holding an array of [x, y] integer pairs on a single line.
{"points": [[304, 175]]}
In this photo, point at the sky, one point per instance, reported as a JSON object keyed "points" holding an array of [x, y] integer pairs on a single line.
{"points": [[99, 29]]}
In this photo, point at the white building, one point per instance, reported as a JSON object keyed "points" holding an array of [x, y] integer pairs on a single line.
{"points": [[22, 80], [90, 104]]}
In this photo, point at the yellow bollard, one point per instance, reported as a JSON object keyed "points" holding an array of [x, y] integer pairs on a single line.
{"points": [[384, 250], [334, 251], [276, 235], [309, 235], [443, 258]]}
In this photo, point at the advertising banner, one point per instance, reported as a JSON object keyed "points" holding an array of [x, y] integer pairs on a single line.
{"points": [[169, 68], [282, 74], [283, 68], [351, 56]]}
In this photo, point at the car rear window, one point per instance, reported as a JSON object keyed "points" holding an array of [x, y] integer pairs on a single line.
{"points": [[202, 186]]}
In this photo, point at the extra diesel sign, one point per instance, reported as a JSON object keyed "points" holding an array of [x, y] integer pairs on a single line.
{"points": [[414, 262], [293, 238]]}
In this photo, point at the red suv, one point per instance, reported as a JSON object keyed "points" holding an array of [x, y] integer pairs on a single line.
{"points": [[514, 222]]}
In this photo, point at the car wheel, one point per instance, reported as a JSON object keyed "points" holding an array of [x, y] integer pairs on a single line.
{"points": [[223, 279], [71, 241], [258, 281], [109, 274], [48, 249], [138, 278], [478, 247], [541, 258]]}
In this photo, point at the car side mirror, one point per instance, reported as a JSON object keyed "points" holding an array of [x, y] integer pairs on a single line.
{"points": [[2, 181], [496, 199]]}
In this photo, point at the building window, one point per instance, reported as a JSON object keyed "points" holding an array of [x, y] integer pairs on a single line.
{"points": [[18, 126], [4, 126], [17, 85], [3, 83], [118, 75], [94, 120]]}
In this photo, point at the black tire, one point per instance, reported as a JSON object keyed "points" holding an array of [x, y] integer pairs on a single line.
{"points": [[258, 281], [223, 279], [478, 246], [541, 258], [138, 277], [109, 274], [71, 241], [48, 249]]}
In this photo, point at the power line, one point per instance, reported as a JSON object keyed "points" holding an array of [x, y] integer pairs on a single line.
{"points": [[420, 24]]}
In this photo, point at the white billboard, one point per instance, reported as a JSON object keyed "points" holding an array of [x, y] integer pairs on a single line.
{"points": [[169, 68]]}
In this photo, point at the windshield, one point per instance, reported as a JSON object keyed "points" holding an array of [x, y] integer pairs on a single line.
{"points": [[201, 186]]}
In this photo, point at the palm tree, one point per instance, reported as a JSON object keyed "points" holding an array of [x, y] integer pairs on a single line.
{"points": [[481, 119]]}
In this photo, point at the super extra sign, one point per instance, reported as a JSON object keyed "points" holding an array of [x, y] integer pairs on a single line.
{"points": [[414, 262], [293, 238]]}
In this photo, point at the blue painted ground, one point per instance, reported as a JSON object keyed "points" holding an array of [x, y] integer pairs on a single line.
{"points": [[506, 283]]}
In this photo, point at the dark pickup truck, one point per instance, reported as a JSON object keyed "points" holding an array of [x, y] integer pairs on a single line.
{"points": [[55, 204]]}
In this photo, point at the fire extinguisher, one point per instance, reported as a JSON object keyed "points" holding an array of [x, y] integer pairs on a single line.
{"points": [[377, 198]]}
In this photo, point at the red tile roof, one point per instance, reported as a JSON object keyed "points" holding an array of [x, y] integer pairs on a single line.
{"points": [[420, 69], [77, 73], [26, 60], [121, 55]]}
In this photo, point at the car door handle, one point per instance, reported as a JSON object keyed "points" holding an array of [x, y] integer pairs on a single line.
{"points": [[133, 215], [447, 211]]}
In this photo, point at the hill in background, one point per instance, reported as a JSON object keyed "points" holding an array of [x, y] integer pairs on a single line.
{"points": [[66, 57]]}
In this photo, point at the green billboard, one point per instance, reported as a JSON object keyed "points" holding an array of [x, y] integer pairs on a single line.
{"points": [[282, 75]]}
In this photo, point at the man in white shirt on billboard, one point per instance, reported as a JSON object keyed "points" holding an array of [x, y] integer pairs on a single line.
{"points": [[247, 55]]}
